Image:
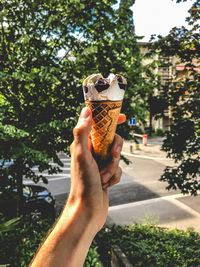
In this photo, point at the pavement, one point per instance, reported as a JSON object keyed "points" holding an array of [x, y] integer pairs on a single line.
{"points": [[165, 208], [139, 196]]}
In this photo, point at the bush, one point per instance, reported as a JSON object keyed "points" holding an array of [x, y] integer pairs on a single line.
{"points": [[147, 245], [18, 246], [160, 132], [92, 259]]}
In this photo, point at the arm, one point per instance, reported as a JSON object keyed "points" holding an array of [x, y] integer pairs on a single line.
{"points": [[86, 209]]}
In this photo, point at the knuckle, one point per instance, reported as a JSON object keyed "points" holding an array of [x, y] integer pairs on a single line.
{"points": [[120, 171], [80, 154], [77, 131], [117, 179], [71, 148], [121, 141]]}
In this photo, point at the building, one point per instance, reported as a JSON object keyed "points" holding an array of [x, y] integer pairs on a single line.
{"points": [[169, 69]]}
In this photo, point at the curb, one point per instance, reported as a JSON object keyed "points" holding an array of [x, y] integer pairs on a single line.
{"points": [[118, 258]]}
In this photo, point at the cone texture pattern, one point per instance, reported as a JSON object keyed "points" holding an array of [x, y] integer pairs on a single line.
{"points": [[104, 122]]}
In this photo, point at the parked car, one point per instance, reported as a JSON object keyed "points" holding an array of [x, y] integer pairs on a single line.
{"points": [[36, 199], [5, 163]]}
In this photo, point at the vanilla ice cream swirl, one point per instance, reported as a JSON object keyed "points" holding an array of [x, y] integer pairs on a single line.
{"points": [[98, 88]]}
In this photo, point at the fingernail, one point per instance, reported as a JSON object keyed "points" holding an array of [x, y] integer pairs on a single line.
{"points": [[105, 186], [118, 149], [85, 113], [105, 177]]}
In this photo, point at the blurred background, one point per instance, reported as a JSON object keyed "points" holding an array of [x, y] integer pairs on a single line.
{"points": [[47, 48]]}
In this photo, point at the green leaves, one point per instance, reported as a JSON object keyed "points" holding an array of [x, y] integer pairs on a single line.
{"points": [[148, 245], [9, 225], [40, 89], [11, 132], [182, 142], [18, 246]]}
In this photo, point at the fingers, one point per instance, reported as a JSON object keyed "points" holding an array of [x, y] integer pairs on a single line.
{"points": [[115, 179], [110, 170], [121, 119], [82, 129], [117, 146]]}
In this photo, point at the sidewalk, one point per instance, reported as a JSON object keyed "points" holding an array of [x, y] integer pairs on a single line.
{"points": [[153, 147], [177, 210], [164, 211], [151, 151]]}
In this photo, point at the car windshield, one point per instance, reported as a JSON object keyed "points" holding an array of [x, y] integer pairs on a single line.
{"points": [[27, 191], [5, 163]]}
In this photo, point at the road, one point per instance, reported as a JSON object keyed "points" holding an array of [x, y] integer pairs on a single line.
{"points": [[139, 181], [139, 185], [143, 196]]}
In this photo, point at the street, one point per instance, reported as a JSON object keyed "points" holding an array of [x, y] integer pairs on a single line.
{"points": [[140, 194]]}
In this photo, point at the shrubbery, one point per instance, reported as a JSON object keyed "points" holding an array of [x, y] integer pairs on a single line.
{"points": [[147, 245], [144, 244], [18, 246], [93, 258]]}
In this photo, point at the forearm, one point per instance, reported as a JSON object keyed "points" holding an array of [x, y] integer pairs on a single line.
{"points": [[68, 243]]}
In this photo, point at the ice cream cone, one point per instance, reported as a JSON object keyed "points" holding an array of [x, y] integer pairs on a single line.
{"points": [[105, 116], [104, 97]]}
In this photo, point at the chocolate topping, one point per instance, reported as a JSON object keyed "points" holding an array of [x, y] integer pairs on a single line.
{"points": [[98, 88], [119, 78], [122, 86], [85, 88], [101, 85], [120, 82]]}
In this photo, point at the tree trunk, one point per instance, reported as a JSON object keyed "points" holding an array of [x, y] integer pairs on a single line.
{"points": [[19, 179], [150, 114], [150, 123]]}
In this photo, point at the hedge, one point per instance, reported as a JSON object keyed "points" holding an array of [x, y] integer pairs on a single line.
{"points": [[151, 246], [145, 245], [18, 246]]}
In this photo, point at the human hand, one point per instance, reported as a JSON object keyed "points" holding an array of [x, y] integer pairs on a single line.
{"points": [[89, 181], [87, 206]]}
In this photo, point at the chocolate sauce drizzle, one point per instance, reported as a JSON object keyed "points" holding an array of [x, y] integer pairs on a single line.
{"points": [[103, 84], [120, 82]]}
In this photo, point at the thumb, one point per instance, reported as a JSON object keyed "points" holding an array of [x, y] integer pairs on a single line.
{"points": [[82, 129]]}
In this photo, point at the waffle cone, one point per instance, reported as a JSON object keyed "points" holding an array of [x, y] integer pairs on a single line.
{"points": [[104, 122]]}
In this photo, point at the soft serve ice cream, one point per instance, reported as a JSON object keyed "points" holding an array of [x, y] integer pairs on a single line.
{"points": [[97, 88]]}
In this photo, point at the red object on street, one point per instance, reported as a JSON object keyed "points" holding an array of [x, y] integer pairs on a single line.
{"points": [[144, 139]]}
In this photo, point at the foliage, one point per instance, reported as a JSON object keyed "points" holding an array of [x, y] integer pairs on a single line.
{"points": [[18, 245], [182, 141], [9, 225], [147, 245], [92, 259], [46, 49]]}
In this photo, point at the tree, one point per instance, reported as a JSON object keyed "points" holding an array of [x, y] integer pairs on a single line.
{"points": [[182, 141], [46, 49], [115, 49]]}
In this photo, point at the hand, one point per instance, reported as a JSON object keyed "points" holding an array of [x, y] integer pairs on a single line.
{"points": [[87, 206], [89, 183]]}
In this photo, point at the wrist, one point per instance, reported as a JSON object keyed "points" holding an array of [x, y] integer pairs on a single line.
{"points": [[69, 241], [76, 217], [80, 209]]}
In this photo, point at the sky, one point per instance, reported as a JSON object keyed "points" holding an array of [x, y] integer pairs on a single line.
{"points": [[158, 16]]}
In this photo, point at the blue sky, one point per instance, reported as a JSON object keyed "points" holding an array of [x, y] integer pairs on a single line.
{"points": [[158, 16]]}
